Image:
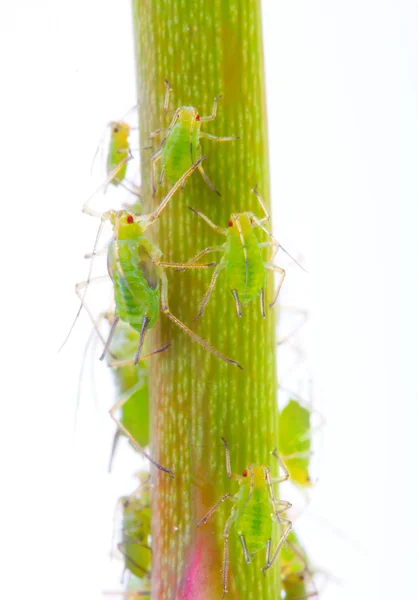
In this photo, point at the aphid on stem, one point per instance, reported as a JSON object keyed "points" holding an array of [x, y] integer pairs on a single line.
{"points": [[180, 146], [118, 149], [140, 288], [253, 514], [297, 578], [242, 258]]}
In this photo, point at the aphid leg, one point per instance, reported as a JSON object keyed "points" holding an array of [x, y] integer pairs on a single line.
{"points": [[226, 554], [215, 138], [128, 189], [282, 272], [208, 181], [263, 206], [262, 304], [165, 309], [245, 549], [85, 284], [228, 461], [160, 180], [237, 303], [206, 297], [220, 230], [168, 90], [156, 132], [78, 288], [145, 322], [155, 215], [154, 160], [287, 526], [110, 336], [123, 399], [129, 361], [90, 211], [286, 475], [214, 109], [184, 266], [167, 132], [199, 255], [213, 509]]}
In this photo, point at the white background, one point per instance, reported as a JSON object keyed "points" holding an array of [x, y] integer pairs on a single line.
{"points": [[343, 97]]}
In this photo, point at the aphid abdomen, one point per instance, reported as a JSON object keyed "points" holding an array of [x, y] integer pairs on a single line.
{"points": [[136, 296], [245, 267], [118, 150], [176, 155], [254, 517]]}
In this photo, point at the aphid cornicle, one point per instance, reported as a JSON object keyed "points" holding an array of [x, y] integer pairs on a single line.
{"points": [[242, 258], [140, 287], [180, 146], [253, 514]]}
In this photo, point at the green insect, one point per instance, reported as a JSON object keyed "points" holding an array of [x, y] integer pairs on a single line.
{"points": [[295, 441], [297, 579], [136, 530], [242, 258], [180, 146], [253, 514], [140, 288], [131, 382]]}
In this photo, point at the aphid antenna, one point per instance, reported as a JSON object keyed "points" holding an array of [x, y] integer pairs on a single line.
{"points": [[80, 377], [292, 257], [94, 213], [104, 217], [155, 215]]}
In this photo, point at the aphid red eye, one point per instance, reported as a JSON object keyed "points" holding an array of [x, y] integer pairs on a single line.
{"points": [[115, 129], [130, 219], [245, 473], [197, 117], [230, 223]]}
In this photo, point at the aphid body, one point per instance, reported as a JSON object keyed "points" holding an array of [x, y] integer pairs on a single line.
{"points": [[131, 382], [242, 258], [136, 531], [118, 151], [133, 272], [255, 509], [252, 513], [245, 270], [295, 441], [180, 146]]}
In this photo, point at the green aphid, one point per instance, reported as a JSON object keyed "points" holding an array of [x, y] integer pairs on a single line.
{"points": [[242, 258], [118, 153], [297, 579], [131, 381], [136, 536], [118, 150], [295, 441], [140, 287], [180, 146], [255, 509]]}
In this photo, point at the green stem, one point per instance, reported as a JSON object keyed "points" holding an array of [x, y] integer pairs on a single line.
{"points": [[205, 48]]}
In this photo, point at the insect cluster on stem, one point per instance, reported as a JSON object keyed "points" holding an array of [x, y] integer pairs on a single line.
{"points": [[137, 271]]}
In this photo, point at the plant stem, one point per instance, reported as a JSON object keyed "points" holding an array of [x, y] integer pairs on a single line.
{"points": [[205, 48]]}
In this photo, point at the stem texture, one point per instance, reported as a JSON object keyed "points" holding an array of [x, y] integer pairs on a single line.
{"points": [[205, 48]]}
